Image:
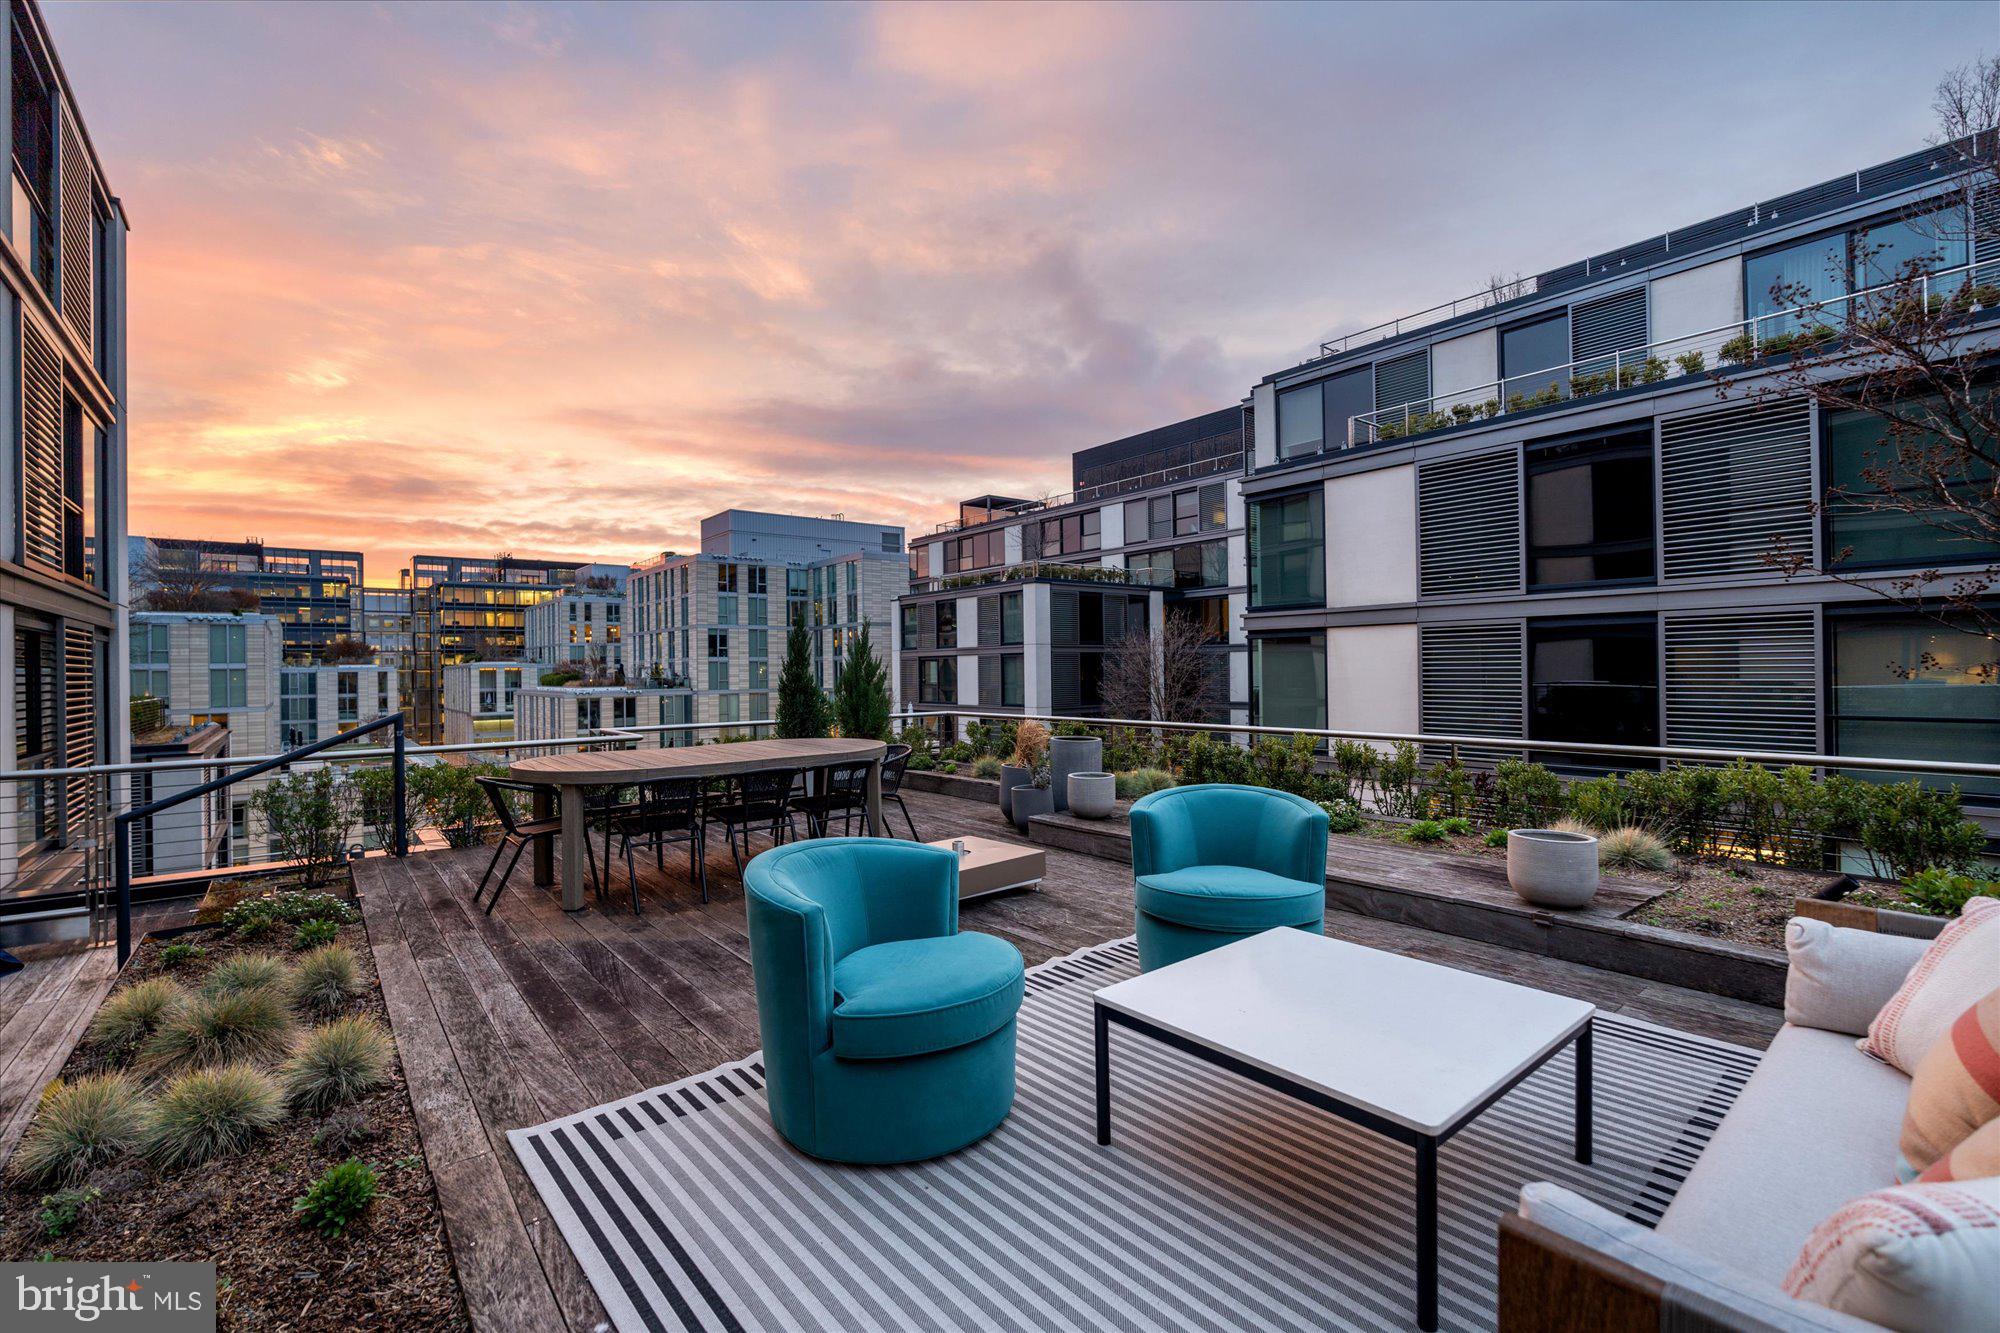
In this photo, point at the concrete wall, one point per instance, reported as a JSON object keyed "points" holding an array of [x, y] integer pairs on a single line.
{"points": [[1264, 439], [1371, 537]]}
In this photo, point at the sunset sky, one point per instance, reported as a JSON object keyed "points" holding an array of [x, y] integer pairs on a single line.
{"points": [[561, 280]]}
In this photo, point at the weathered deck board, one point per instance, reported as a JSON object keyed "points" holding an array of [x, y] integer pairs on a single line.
{"points": [[48, 1004], [509, 1019]]}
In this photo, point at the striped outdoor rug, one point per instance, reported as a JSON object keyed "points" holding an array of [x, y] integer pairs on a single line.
{"points": [[1220, 1205]]}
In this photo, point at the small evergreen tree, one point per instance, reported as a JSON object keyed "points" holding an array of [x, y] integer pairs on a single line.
{"points": [[801, 704], [861, 696]]}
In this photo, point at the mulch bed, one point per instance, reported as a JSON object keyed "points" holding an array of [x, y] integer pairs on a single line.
{"points": [[390, 1269]]}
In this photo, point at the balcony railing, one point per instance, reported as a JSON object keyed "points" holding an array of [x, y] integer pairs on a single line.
{"points": [[1202, 467], [1969, 288]]}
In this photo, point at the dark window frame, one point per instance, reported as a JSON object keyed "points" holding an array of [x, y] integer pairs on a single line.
{"points": [[1611, 443]]}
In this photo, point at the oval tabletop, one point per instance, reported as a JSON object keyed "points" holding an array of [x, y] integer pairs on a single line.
{"points": [[597, 768]]}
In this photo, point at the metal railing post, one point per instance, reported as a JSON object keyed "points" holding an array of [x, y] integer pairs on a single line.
{"points": [[121, 874], [398, 787]]}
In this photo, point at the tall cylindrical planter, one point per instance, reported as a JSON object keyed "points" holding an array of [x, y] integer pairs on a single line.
{"points": [[1029, 802], [1072, 754], [1011, 776], [1092, 795], [1550, 868]]}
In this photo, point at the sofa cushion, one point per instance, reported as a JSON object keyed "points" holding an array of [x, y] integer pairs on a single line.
{"points": [[1839, 979], [1918, 1258], [911, 997], [1955, 1090], [1815, 1126], [1957, 968], [1977, 1156], [1728, 1296], [1230, 898]]}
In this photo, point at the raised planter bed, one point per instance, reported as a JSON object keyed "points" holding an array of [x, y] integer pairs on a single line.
{"points": [[963, 786]]}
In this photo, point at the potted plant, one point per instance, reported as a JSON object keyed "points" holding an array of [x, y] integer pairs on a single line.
{"points": [[1031, 746], [1033, 798], [1072, 754], [1092, 795], [1552, 867]]}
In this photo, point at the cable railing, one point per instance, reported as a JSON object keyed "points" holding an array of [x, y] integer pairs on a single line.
{"points": [[1967, 289], [1200, 467]]}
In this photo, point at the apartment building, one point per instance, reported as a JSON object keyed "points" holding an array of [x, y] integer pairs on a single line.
{"points": [[318, 702], [207, 669], [471, 610], [581, 629], [1165, 506], [63, 566], [553, 712], [1019, 641], [382, 620], [309, 590], [477, 700], [1535, 517], [715, 621]]}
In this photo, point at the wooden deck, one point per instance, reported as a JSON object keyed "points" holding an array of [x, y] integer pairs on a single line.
{"points": [[508, 1020], [44, 1009]]}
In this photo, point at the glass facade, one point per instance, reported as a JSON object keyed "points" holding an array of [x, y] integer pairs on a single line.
{"points": [[1909, 687], [1799, 274], [1590, 511], [1594, 680], [1288, 551], [1861, 455], [1288, 682], [1301, 421], [1528, 350]]}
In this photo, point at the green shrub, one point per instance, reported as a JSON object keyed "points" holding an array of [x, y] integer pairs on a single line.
{"points": [[312, 934], [1496, 837], [212, 1029], [246, 972], [205, 1113], [1425, 830], [1909, 827], [1356, 762], [375, 801], [126, 1021], [306, 816], [449, 798], [1525, 795], [1683, 806], [326, 979], [1143, 782], [289, 909], [1451, 790], [1599, 803], [336, 1201], [1938, 892], [336, 1063], [986, 766], [1629, 847], [61, 1210], [180, 953], [1692, 363], [79, 1126], [1458, 826], [1343, 816], [1396, 782]]}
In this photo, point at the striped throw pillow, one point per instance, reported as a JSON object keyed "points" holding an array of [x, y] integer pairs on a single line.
{"points": [[1955, 1090], [1962, 964], [1978, 1155], [1909, 1257]]}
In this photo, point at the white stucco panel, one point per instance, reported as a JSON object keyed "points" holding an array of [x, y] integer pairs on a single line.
{"points": [[1371, 537], [1371, 678]]}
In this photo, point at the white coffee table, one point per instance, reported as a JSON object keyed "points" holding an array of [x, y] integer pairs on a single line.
{"points": [[989, 866], [1409, 1049]]}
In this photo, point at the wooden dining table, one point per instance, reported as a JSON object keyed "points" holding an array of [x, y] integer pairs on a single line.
{"points": [[562, 779]]}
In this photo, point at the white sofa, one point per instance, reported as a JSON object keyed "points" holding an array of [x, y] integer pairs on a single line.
{"points": [[1815, 1126]]}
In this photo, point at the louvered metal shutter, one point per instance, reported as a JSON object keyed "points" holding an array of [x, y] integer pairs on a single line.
{"points": [[41, 447], [1406, 379], [910, 682], [927, 625], [1065, 683], [1062, 619], [989, 681], [1615, 323], [1114, 619], [1472, 682], [1735, 484], [79, 217], [1214, 507], [79, 724], [989, 621], [1742, 680], [1469, 524]]}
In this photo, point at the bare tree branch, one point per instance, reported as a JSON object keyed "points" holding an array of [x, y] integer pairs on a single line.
{"points": [[1166, 676]]}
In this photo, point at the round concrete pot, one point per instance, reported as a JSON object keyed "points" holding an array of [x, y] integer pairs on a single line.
{"points": [[1072, 754], [1011, 776], [1092, 795], [1549, 868], [1029, 802]]}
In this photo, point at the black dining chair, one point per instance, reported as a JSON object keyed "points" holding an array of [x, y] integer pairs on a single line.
{"points": [[754, 799], [518, 833], [666, 811], [894, 765], [836, 791]]}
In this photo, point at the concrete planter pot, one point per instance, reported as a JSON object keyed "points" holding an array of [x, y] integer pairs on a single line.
{"points": [[1072, 754], [1029, 802], [1011, 776], [1548, 868], [1092, 795]]}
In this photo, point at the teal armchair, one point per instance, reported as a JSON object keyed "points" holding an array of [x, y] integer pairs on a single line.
{"points": [[1212, 863], [888, 1032]]}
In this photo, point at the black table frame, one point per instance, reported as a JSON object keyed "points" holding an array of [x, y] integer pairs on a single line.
{"points": [[1426, 1145]]}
